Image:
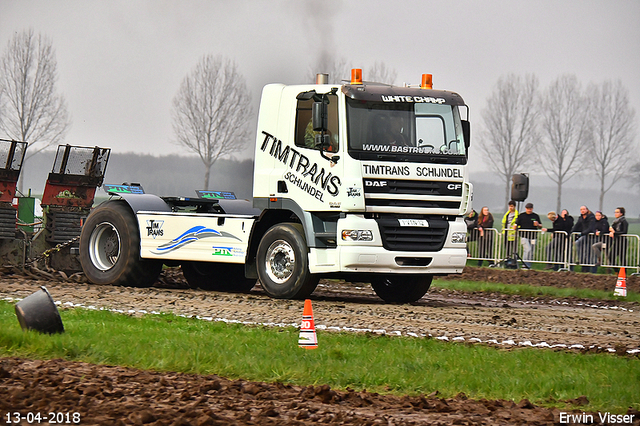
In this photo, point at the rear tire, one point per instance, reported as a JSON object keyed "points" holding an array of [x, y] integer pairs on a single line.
{"points": [[283, 263], [110, 248], [217, 276], [396, 288]]}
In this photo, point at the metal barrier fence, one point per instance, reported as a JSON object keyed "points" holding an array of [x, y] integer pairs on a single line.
{"points": [[558, 250], [602, 250], [485, 247]]}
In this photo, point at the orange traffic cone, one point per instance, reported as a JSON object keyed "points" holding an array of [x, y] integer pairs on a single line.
{"points": [[621, 284], [308, 338]]}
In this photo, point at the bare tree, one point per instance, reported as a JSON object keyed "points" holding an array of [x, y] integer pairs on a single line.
{"points": [[30, 108], [563, 117], [380, 73], [510, 120], [336, 67], [612, 129], [2, 90], [634, 176], [211, 111]]}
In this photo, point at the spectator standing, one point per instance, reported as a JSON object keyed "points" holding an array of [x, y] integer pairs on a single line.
{"points": [[563, 227], [509, 229], [564, 222], [553, 248], [602, 238], [485, 237], [528, 222], [471, 220], [618, 228], [586, 226]]}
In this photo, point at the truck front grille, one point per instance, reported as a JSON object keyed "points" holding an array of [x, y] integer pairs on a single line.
{"points": [[424, 204], [387, 195], [413, 238]]}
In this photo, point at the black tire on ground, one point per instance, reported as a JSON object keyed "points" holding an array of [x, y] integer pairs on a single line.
{"points": [[283, 263], [217, 276], [397, 288], [110, 248]]}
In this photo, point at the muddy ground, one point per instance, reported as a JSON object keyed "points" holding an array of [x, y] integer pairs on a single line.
{"points": [[549, 278], [111, 395], [116, 395]]}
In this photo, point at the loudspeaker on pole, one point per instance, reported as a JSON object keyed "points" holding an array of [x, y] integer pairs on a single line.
{"points": [[519, 187]]}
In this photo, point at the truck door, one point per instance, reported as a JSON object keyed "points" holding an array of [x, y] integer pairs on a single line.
{"points": [[314, 180]]}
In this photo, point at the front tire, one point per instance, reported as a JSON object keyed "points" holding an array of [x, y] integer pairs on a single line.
{"points": [[396, 288], [110, 248], [283, 263], [217, 276]]}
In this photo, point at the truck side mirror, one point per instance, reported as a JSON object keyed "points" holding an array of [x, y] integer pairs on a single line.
{"points": [[466, 132], [319, 112]]}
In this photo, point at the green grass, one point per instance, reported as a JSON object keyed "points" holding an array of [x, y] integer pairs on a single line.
{"points": [[540, 266], [634, 227], [400, 365], [535, 291]]}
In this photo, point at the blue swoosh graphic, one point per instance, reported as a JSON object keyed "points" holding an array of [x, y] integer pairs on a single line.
{"points": [[189, 236]]}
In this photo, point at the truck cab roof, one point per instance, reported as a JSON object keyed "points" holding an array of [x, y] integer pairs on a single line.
{"points": [[382, 92]]}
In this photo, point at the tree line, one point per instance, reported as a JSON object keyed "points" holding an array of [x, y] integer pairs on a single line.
{"points": [[564, 130], [163, 175], [204, 119]]}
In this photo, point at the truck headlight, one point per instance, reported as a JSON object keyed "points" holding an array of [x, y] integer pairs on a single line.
{"points": [[357, 235], [459, 237]]}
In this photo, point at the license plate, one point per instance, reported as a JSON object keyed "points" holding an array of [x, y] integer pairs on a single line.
{"points": [[414, 222]]}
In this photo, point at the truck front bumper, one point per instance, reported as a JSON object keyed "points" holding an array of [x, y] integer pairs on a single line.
{"points": [[362, 251], [378, 260]]}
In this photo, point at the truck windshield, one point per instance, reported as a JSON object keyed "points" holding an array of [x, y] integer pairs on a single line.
{"points": [[420, 132]]}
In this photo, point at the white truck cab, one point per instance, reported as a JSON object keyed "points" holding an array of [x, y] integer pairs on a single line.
{"points": [[361, 181]]}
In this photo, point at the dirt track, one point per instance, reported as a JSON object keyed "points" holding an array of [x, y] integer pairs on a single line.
{"points": [[448, 315], [105, 394]]}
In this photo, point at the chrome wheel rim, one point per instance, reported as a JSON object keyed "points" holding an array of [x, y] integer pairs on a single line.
{"points": [[281, 261], [104, 246]]}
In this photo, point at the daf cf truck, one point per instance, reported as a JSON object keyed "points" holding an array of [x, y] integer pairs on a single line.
{"points": [[359, 181]]}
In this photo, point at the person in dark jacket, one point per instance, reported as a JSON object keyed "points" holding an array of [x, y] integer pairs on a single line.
{"points": [[564, 222], [485, 237], [586, 227], [618, 228], [602, 237], [554, 248], [528, 222], [562, 227], [471, 220]]}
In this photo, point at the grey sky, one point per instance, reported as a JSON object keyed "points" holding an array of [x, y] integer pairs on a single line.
{"points": [[120, 63]]}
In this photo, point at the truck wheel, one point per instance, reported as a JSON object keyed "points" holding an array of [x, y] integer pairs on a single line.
{"points": [[110, 248], [217, 276], [283, 263], [395, 288]]}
